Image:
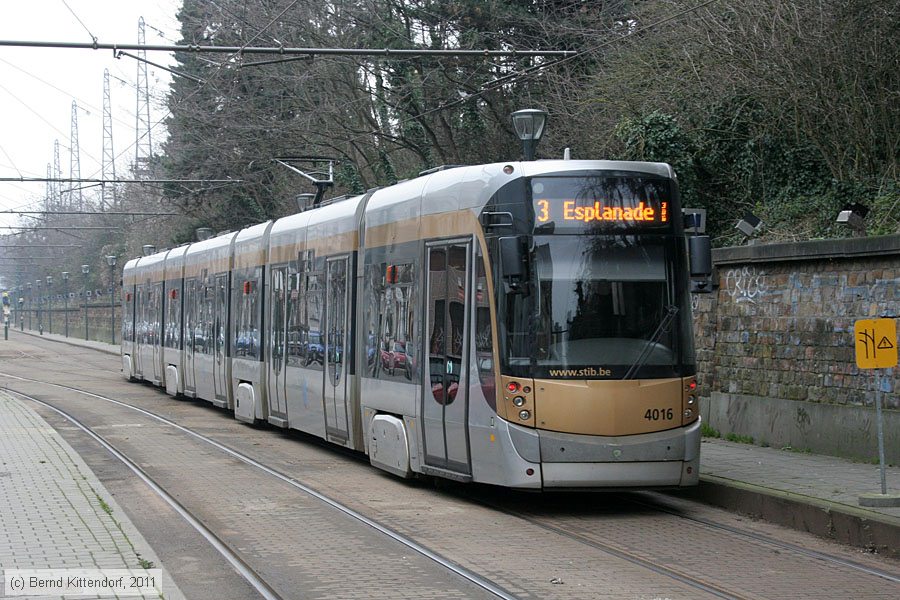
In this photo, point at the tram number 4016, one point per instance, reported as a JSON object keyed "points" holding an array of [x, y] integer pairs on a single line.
{"points": [[659, 414]]}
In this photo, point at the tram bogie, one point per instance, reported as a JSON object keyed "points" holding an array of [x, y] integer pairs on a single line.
{"points": [[520, 324]]}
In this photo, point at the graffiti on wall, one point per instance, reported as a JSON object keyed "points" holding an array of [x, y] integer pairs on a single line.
{"points": [[745, 284]]}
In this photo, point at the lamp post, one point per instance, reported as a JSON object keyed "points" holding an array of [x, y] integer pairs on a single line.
{"points": [[111, 261], [85, 269], [30, 303], [40, 316], [50, 303], [65, 278], [529, 125]]}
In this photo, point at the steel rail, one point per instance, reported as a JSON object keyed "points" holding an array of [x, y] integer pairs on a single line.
{"points": [[625, 555], [458, 569], [772, 541], [245, 570]]}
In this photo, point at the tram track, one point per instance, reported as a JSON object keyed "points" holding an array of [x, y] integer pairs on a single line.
{"points": [[813, 554], [557, 527], [242, 567], [245, 570], [580, 535]]}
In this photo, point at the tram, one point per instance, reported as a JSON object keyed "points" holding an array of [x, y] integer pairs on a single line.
{"points": [[521, 324]]}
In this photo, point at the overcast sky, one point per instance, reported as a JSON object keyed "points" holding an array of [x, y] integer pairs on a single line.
{"points": [[37, 87]]}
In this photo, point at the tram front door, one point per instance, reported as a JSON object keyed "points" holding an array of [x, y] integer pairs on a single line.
{"points": [[220, 339], [445, 399], [337, 312]]}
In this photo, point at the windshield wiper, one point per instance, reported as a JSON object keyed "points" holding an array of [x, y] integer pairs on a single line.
{"points": [[671, 311]]}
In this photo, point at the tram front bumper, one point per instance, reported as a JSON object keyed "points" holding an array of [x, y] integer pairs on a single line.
{"points": [[661, 459]]}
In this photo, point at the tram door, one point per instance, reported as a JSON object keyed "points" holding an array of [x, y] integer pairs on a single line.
{"points": [[220, 320], [277, 399], [336, 341], [157, 304], [140, 329], [190, 326], [445, 399]]}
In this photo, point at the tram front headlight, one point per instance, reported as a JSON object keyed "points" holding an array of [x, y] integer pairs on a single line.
{"points": [[519, 401], [524, 414]]}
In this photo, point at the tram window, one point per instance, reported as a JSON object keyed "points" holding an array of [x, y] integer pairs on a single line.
{"points": [[172, 321], [157, 316], [128, 317], [278, 320], [296, 310], [246, 341], [207, 312], [313, 345], [484, 344], [373, 297], [395, 315]]}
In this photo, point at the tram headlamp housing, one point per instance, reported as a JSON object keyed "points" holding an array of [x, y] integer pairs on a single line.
{"points": [[524, 414], [690, 408], [519, 401]]}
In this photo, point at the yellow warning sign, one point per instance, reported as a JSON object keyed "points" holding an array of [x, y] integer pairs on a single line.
{"points": [[876, 343]]}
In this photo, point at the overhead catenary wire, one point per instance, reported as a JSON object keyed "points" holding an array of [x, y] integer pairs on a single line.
{"points": [[238, 50], [77, 18]]}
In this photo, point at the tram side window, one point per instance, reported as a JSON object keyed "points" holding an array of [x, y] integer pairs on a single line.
{"points": [[312, 338], [158, 314], [203, 339], [222, 311], [373, 297], [484, 341], [277, 325], [172, 321], [139, 327], [296, 317], [395, 314], [247, 303], [128, 317]]}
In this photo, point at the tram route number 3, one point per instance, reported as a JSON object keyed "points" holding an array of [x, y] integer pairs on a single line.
{"points": [[659, 414]]}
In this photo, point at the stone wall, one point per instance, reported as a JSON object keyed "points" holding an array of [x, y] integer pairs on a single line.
{"points": [[775, 344]]}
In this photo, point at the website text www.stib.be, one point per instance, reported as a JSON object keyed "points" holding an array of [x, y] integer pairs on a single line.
{"points": [[583, 372]]}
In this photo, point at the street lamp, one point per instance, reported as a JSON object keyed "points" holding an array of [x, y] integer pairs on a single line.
{"points": [[111, 261], [30, 303], [65, 278], [50, 303], [529, 124], [85, 269], [37, 285]]}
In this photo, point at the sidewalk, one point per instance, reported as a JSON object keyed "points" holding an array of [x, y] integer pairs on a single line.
{"points": [[56, 514], [808, 492]]}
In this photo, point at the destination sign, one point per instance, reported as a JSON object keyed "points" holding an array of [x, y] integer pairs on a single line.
{"points": [[606, 202], [570, 210]]}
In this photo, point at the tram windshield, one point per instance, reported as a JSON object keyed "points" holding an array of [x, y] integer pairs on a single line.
{"points": [[597, 304]]}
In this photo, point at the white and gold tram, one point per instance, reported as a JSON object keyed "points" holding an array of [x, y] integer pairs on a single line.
{"points": [[519, 324]]}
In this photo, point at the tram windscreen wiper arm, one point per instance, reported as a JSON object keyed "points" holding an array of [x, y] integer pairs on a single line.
{"points": [[671, 311]]}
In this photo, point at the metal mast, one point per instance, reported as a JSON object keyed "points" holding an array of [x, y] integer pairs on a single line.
{"points": [[76, 199], [143, 148], [108, 163], [57, 173]]}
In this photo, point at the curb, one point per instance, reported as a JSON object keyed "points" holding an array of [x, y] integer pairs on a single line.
{"points": [[76, 342], [839, 522]]}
